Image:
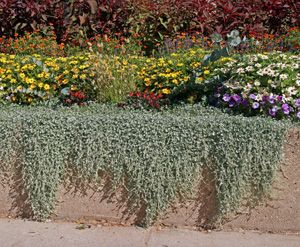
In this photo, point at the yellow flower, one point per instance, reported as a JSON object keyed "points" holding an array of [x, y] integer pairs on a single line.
{"points": [[83, 76], [206, 72], [41, 85], [175, 81], [29, 100], [195, 65], [166, 91], [75, 76], [74, 62], [22, 75], [19, 88], [65, 81], [13, 80], [29, 80], [199, 80], [186, 78], [32, 87], [46, 87], [180, 64], [73, 87]]}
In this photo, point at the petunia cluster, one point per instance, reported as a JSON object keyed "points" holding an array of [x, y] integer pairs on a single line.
{"points": [[256, 84], [276, 106]]}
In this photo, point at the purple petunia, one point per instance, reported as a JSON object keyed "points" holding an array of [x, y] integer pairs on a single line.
{"points": [[231, 103], [279, 98], [297, 102], [271, 99], [236, 98], [253, 96], [273, 111], [286, 109], [265, 98], [245, 102], [226, 97], [255, 105], [298, 114]]}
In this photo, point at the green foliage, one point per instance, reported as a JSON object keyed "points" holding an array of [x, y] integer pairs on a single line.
{"points": [[156, 156]]}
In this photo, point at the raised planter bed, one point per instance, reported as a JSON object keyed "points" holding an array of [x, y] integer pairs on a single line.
{"points": [[280, 213]]}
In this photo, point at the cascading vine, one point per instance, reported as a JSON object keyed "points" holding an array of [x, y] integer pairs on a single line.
{"points": [[155, 156]]}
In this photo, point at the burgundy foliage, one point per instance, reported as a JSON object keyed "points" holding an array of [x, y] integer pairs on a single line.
{"points": [[85, 18]]}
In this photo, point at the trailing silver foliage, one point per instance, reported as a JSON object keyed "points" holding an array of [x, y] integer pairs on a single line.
{"points": [[156, 156]]}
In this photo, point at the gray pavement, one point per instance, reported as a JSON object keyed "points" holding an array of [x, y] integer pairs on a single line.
{"points": [[19, 233]]}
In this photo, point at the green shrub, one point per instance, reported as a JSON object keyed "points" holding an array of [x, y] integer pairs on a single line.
{"points": [[156, 156]]}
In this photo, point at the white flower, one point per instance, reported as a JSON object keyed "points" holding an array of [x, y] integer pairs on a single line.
{"points": [[283, 76], [249, 68], [240, 70], [291, 90], [257, 83], [298, 83], [264, 57], [248, 87], [259, 97], [257, 65]]}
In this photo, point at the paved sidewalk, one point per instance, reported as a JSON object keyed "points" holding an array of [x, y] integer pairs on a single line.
{"points": [[19, 233]]}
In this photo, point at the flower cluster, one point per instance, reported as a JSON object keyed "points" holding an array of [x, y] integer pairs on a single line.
{"points": [[163, 75], [74, 98], [145, 100], [274, 79], [275, 106], [27, 79], [277, 73], [32, 43]]}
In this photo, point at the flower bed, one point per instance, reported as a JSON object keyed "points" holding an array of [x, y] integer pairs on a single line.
{"points": [[267, 84], [32, 78]]}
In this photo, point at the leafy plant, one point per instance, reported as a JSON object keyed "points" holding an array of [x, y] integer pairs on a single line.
{"points": [[268, 16], [157, 156]]}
